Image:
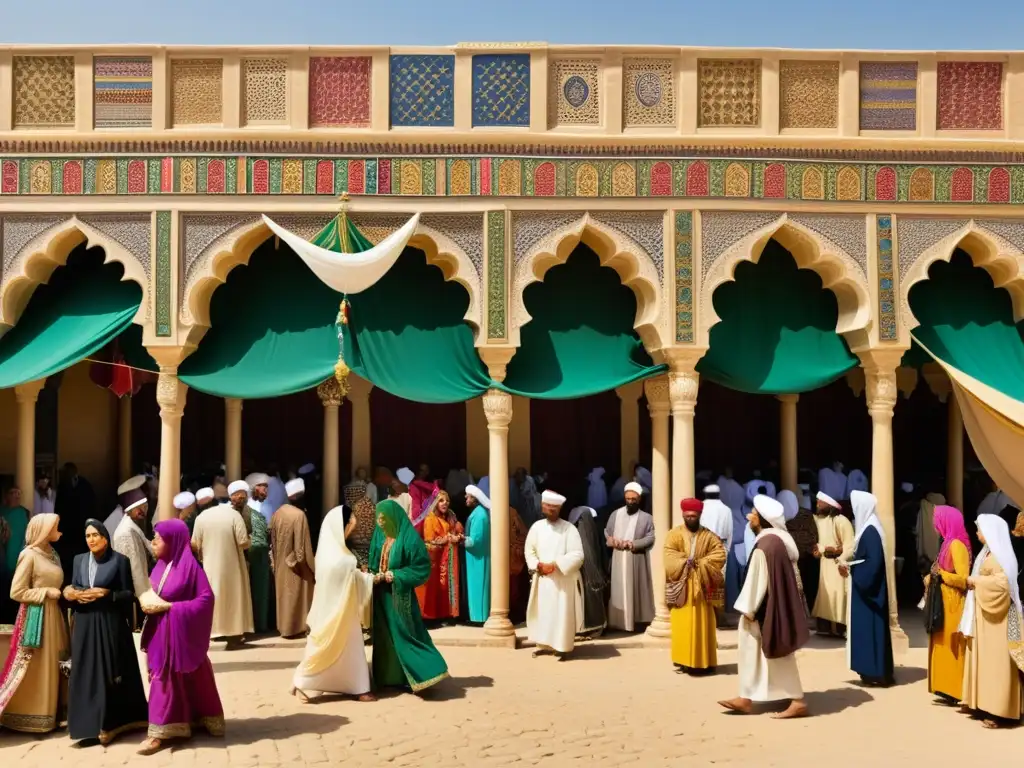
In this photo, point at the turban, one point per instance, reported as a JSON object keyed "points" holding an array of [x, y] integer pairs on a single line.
{"points": [[257, 478], [405, 475], [479, 495], [635, 487], [238, 485], [712, 489], [132, 499], [828, 500], [307, 469], [132, 484], [550, 497], [789, 503], [204, 494], [691, 505], [184, 500], [770, 510], [295, 487]]}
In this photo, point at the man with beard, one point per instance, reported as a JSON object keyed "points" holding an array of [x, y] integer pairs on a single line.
{"points": [[478, 554], [129, 539], [772, 622], [260, 577], [694, 559], [292, 560], [834, 548], [630, 535]]}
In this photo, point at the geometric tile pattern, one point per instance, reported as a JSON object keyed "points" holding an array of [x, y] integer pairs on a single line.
{"points": [[808, 94], [886, 290], [44, 91], [197, 91], [684, 276], [970, 96], [123, 92], [729, 92], [574, 92], [888, 95], [339, 90], [422, 91], [648, 92], [501, 90], [265, 91]]}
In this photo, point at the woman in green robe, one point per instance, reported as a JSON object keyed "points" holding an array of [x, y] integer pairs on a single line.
{"points": [[403, 653]]}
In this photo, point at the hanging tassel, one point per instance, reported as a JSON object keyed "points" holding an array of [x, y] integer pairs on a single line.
{"points": [[341, 369]]}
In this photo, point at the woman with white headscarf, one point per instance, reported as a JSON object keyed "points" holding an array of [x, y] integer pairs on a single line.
{"points": [[991, 624], [335, 659]]}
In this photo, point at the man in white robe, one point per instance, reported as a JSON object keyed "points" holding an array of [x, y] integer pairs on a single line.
{"points": [[554, 556], [773, 622], [114, 518], [630, 535], [130, 541], [400, 490], [220, 541], [834, 548]]}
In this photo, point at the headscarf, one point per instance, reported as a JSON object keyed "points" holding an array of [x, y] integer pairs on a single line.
{"points": [[790, 504], [39, 529], [480, 495], [997, 543], [949, 522], [407, 560], [865, 515], [597, 491], [101, 529]]}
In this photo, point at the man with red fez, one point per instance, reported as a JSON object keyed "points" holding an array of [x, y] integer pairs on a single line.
{"points": [[773, 623], [694, 584]]}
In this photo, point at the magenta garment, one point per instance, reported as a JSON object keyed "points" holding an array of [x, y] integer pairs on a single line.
{"points": [[949, 522], [422, 493], [190, 698]]}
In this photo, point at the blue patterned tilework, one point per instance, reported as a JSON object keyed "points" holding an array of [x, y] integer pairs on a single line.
{"points": [[501, 90], [422, 91], [888, 96]]}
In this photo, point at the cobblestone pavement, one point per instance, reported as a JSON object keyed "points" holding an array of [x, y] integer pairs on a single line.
{"points": [[604, 707]]}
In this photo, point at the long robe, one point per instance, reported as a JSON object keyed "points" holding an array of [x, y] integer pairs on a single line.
{"points": [[15, 520], [764, 678], [594, 574], [518, 573], [220, 539], [830, 602], [947, 647], [868, 640], [478, 564], [694, 637], [293, 568], [555, 612], [991, 679], [632, 588], [439, 597], [129, 541], [260, 577]]}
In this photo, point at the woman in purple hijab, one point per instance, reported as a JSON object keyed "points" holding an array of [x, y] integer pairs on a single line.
{"points": [[176, 638]]}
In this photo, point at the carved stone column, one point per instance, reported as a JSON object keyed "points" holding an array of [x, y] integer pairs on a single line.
{"points": [[233, 438], [629, 427], [25, 467], [788, 443], [659, 632], [359, 395], [940, 385], [170, 395], [682, 389], [498, 410], [124, 438], [330, 395]]}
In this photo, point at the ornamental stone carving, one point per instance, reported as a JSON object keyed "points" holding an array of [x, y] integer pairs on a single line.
{"points": [[21, 230], [682, 390], [329, 392], [882, 391], [656, 390], [497, 409], [133, 231], [170, 394]]}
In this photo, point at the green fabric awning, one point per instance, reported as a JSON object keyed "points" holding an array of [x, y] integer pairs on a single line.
{"points": [[84, 306], [777, 333]]}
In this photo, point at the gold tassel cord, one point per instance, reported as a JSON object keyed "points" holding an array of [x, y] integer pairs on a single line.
{"points": [[341, 369]]}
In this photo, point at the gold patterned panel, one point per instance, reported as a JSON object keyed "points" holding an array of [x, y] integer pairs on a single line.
{"points": [[510, 178], [266, 91], [648, 92], [187, 175], [461, 179], [737, 181], [291, 177], [729, 92], [808, 94], [412, 177], [44, 92], [812, 185], [574, 91], [197, 91], [624, 180], [106, 177], [848, 184], [39, 178], [922, 185], [587, 181]]}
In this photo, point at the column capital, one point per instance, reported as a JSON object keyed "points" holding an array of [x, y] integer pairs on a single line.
{"points": [[682, 391], [497, 408], [880, 366], [496, 358], [937, 380], [788, 398], [329, 391], [656, 390], [29, 391], [170, 393], [630, 392], [233, 404]]}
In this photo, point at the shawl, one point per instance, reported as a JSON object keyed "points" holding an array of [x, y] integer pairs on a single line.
{"points": [[783, 622], [927, 536], [39, 529], [407, 558], [578, 512], [423, 494], [865, 515], [997, 543], [178, 639], [949, 522], [517, 542], [704, 563]]}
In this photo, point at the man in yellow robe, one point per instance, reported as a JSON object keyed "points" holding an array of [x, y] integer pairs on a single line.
{"points": [[834, 548], [694, 557]]}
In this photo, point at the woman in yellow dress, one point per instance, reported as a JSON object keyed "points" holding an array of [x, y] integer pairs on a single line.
{"points": [[32, 689], [946, 646]]}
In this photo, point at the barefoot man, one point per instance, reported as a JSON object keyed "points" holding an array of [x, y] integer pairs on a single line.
{"points": [[772, 619]]}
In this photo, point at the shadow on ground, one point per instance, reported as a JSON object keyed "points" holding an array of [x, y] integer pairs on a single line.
{"points": [[249, 730]]}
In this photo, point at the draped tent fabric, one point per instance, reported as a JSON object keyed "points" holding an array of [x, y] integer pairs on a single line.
{"points": [[777, 333], [84, 306]]}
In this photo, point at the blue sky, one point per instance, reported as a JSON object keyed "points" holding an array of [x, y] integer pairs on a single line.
{"points": [[903, 24]]}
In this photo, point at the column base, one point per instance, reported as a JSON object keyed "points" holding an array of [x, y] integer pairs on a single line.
{"points": [[500, 629], [659, 633]]}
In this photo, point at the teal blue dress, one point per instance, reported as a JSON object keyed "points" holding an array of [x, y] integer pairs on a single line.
{"points": [[478, 564]]}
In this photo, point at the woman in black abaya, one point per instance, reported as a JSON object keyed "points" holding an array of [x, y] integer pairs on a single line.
{"points": [[595, 573], [105, 691]]}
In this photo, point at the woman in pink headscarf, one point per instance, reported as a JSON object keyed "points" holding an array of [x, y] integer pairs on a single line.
{"points": [[952, 567]]}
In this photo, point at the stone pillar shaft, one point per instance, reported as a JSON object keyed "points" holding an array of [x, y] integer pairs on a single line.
{"points": [[498, 409], [683, 397], [27, 395], [788, 440], [124, 438], [330, 395], [170, 394], [629, 427], [233, 438], [659, 631], [359, 395]]}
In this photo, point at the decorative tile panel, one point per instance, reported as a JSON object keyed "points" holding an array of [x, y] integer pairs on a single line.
{"points": [[808, 94], [684, 276], [162, 298], [197, 91], [729, 93], [496, 282], [339, 91], [501, 90], [20, 230], [466, 230], [574, 92], [123, 92], [422, 91], [645, 228], [200, 231], [44, 92], [265, 91], [648, 92], [970, 96], [531, 227], [888, 96], [917, 235], [887, 328], [846, 233]]}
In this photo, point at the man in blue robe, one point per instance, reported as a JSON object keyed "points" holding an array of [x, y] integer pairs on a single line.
{"points": [[478, 554]]}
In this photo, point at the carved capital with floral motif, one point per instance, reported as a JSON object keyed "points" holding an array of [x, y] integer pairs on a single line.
{"points": [[682, 392], [882, 391], [170, 393], [656, 390], [330, 392], [497, 408]]}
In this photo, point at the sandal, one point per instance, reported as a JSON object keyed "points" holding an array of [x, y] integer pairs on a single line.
{"points": [[150, 747]]}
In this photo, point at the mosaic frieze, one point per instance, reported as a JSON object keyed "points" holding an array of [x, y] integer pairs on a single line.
{"points": [[808, 94], [422, 91], [888, 96], [197, 91], [648, 92], [729, 93], [501, 90], [339, 91], [133, 231], [44, 91], [970, 96], [123, 92], [574, 92], [265, 91]]}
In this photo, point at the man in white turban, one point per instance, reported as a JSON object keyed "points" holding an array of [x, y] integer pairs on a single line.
{"points": [[554, 555], [220, 540], [772, 622], [292, 558], [185, 506], [630, 535], [834, 548], [205, 497], [399, 491], [478, 554], [128, 537]]}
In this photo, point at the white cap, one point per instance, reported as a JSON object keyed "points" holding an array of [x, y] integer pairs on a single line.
{"points": [[634, 486], [131, 484], [479, 495], [712, 489], [257, 478], [204, 494], [828, 500], [295, 487], [770, 510], [550, 497], [405, 475], [307, 469], [184, 500], [236, 486]]}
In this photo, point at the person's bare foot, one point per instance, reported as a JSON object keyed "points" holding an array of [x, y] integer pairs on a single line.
{"points": [[738, 705], [150, 747], [992, 724], [796, 708], [367, 697]]}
